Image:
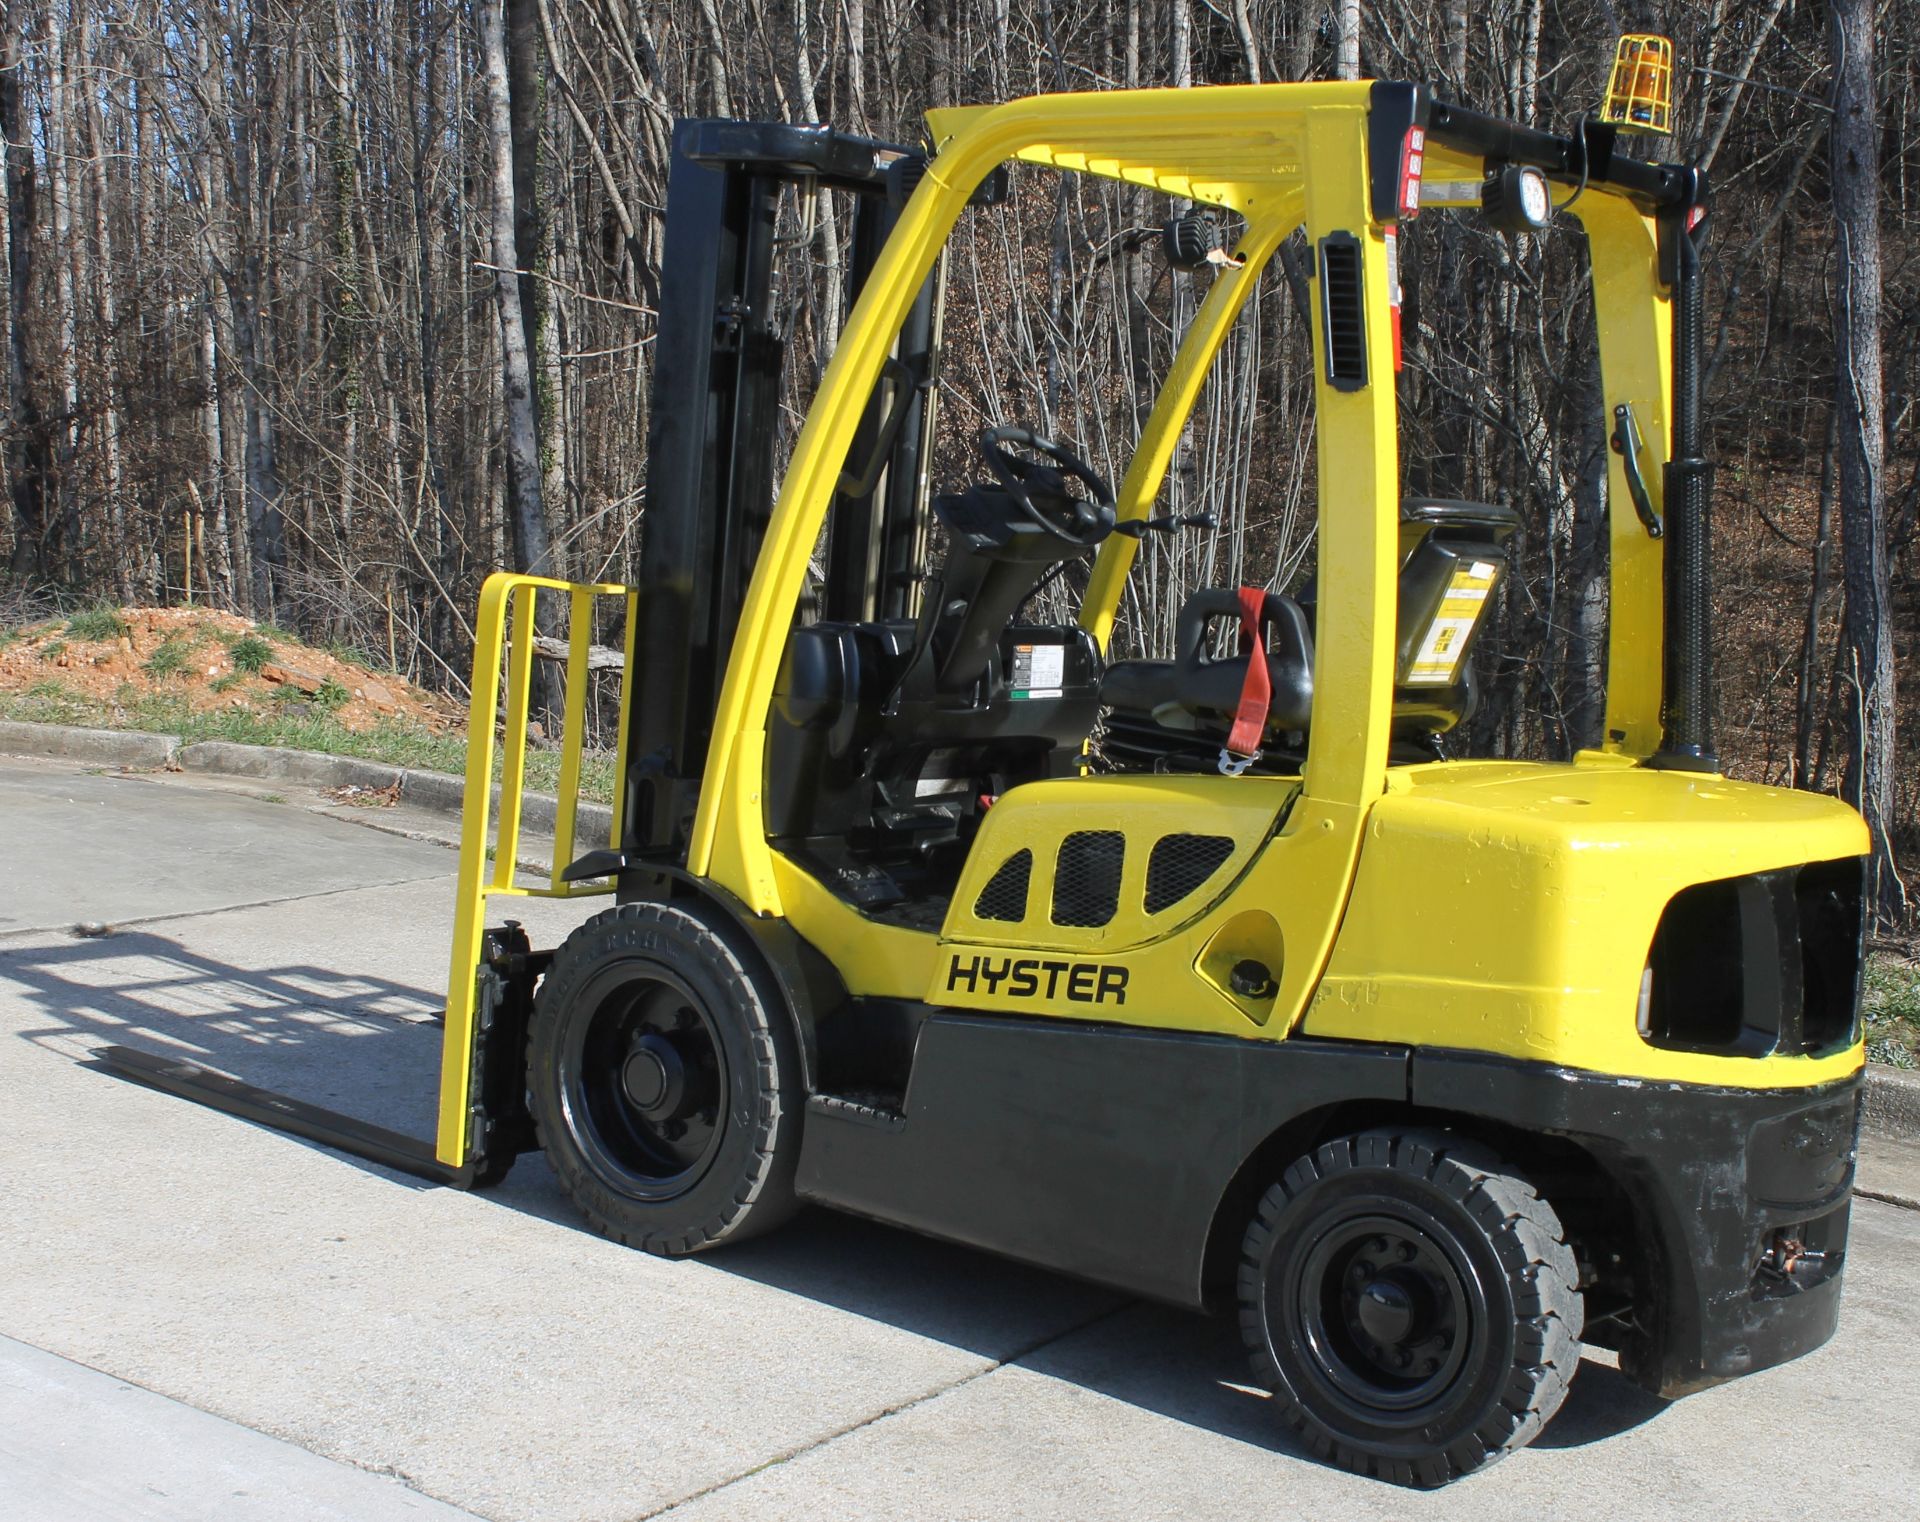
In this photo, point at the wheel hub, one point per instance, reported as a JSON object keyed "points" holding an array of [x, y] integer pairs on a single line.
{"points": [[1387, 1311], [1381, 1308], [644, 1088], [654, 1077]]}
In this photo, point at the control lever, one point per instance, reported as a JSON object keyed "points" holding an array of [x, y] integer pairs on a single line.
{"points": [[1626, 443], [1167, 523]]}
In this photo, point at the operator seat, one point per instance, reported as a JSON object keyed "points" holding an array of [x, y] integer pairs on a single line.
{"points": [[1185, 707], [1175, 715], [890, 736]]}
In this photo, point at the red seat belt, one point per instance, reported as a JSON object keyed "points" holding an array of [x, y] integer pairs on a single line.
{"points": [[1256, 691]]}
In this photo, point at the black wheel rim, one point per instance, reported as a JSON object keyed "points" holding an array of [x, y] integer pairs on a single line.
{"points": [[644, 1082], [1384, 1309]]}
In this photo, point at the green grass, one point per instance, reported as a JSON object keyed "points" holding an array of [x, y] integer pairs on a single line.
{"points": [[332, 695], [53, 650], [249, 653], [172, 656], [1892, 1008], [307, 727], [97, 624]]}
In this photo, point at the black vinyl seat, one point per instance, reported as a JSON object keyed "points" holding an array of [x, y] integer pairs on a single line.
{"points": [[1193, 697], [1176, 714], [892, 736]]}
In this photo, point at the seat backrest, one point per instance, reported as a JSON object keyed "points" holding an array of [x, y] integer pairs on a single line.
{"points": [[1453, 555]]}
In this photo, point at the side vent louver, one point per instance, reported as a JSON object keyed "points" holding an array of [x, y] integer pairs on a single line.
{"points": [[1343, 311], [1005, 896], [1086, 878], [1180, 864]]}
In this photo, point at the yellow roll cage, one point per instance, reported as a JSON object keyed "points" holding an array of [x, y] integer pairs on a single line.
{"points": [[1245, 148]]}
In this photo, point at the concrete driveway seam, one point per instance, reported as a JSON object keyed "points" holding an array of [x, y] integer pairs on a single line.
{"points": [[142, 921], [234, 1444], [801, 1450]]}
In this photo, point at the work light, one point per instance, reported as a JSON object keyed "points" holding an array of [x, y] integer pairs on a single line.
{"points": [[1515, 199]]}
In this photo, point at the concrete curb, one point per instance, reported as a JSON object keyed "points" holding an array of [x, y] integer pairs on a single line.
{"points": [[1893, 1102], [101, 747], [429, 790]]}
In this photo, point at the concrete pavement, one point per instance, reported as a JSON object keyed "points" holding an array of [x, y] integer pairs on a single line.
{"points": [[486, 1352], [77, 1445]]}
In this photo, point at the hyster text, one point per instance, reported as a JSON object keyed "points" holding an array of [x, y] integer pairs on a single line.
{"points": [[1038, 978]]}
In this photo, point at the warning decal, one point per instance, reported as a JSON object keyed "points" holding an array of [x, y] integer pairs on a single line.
{"points": [[1437, 660], [1039, 671]]}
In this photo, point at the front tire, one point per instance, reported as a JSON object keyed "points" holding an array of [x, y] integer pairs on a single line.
{"points": [[664, 1080], [1412, 1303]]}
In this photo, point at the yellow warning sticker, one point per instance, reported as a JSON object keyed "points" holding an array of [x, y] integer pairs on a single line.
{"points": [[1437, 660]]}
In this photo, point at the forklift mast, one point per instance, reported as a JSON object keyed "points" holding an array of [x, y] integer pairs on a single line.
{"points": [[719, 358]]}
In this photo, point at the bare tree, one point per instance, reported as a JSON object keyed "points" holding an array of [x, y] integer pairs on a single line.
{"points": [[1867, 652], [275, 297], [29, 444], [526, 515]]}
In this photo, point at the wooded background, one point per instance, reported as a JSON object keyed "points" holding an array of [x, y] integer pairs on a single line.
{"points": [[264, 309]]}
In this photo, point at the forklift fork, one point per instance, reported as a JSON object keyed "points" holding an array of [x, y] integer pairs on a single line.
{"points": [[483, 1123], [498, 1126]]}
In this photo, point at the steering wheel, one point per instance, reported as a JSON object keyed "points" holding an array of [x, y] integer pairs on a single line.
{"points": [[1084, 522]]}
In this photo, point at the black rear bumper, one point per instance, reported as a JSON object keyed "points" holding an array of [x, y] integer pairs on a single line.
{"points": [[1741, 1198]]}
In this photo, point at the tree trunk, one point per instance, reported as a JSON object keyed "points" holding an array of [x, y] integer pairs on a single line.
{"points": [[120, 549], [442, 569], [1866, 653], [1806, 717], [1347, 54], [1249, 43], [266, 527], [526, 515], [526, 95], [1457, 47], [60, 194], [29, 445]]}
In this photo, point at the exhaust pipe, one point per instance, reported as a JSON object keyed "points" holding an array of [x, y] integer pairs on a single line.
{"points": [[1686, 706]]}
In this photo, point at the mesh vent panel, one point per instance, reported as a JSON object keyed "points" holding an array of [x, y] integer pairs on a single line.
{"points": [[1005, 896], [1086, 879], [1180, 864]]}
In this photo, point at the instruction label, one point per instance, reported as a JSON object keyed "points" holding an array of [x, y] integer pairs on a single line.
{"points": [[1039, 671], [1436, 663]]}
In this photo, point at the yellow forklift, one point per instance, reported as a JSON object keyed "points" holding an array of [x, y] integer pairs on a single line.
{"points": [[1433, 1068]]}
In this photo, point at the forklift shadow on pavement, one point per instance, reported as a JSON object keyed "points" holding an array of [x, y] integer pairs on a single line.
{"points": [[369, 1045], [355, 1041], [1158, 1358]]}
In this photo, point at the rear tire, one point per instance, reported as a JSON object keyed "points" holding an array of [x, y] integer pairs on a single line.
{"points": [[1412, 1303], [664, 1080]]}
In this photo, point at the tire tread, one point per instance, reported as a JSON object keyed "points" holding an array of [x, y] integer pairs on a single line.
{"points": [[1527, 1236], [763, 1195]]}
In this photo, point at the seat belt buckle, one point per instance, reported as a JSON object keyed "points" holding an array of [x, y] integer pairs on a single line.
{"points": [[1232, 765]]}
